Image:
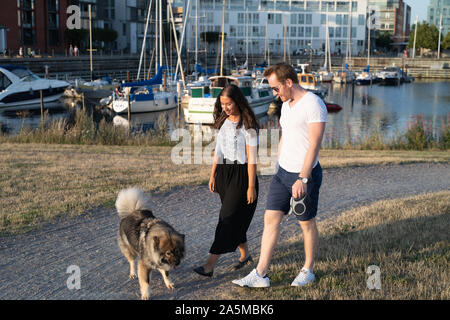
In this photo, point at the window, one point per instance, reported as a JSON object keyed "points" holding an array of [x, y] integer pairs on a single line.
{"points": [[4, 82], [323, 19], [315, 32], [361, 19], [345, 19], [308, 18], [301, 31], [293, 19], [339, 19], [331, 32], [301, 19], [270, 18], [232, 31], [256, 18], [344, 32], [353, 32], [278, 18], [241, 18], [255, 31], [240, 31], [293, 32], [308, 32], [338, 32]]}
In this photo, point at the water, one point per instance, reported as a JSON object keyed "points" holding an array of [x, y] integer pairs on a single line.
{"points": [[384, 109]]}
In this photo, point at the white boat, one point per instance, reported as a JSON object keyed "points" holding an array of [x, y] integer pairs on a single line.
{"points": [[20, 88], [343, 76], [201, 103], [325, 76], [143, 99], [364, 78], [390, 76]]}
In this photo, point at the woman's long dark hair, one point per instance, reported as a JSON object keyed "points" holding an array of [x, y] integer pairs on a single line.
{"points": [[248, 118]]}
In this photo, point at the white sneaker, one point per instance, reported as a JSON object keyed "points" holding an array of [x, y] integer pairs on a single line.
{"points": [[304, 277], [253, 280]]}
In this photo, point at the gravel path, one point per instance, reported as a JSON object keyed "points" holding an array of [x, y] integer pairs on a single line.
{"points": [[34, 265]]}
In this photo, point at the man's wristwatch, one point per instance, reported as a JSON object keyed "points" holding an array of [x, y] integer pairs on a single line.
{"points": [[304, 180]]}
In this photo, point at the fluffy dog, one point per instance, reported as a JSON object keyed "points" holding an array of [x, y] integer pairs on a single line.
{"points": [[155, 243]]}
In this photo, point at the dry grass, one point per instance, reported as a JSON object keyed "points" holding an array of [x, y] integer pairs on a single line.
{"points": [[408, 239], [41, 181]]}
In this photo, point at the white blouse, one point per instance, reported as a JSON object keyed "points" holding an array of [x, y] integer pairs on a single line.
{"points": [[231, 142]]}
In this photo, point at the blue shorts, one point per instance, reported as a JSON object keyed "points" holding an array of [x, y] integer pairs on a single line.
{"points": [[280, 192]]}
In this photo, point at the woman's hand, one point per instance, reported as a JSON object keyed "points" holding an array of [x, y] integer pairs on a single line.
{"points": [[212, 184], [251, 195]]}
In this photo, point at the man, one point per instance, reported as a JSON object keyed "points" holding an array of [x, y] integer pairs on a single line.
{"points": [[302, 120]]}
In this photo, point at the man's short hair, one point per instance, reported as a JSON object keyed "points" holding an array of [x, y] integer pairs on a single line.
{"points": [[283, 71]]}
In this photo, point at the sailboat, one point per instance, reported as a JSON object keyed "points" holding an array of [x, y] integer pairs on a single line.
{"points": [[200, 108], [366, 77], [139, 96], [325, 74]]}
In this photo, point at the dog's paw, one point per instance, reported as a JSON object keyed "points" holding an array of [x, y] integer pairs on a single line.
{"points": [[170, 285], [133, 276], [144, 297]]}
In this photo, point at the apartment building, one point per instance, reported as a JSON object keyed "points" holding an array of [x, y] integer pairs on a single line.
{"points": [[34, 25], [436, 9], [280, 25], [395, 18]]}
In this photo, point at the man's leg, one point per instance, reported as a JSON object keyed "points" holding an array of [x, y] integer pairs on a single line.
{"points": [[271, 233], [311, 240]]}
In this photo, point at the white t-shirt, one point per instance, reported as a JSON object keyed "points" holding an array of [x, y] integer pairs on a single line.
{"points": [[231, 142], [294, 125]]}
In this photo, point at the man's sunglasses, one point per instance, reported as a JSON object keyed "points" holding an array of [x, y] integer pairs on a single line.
{"points": [[277, 88]]}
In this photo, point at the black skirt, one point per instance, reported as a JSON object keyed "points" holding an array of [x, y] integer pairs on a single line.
{"points": [[235, 214]]}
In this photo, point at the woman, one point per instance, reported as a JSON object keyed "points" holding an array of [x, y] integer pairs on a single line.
{"points": [[233, 176]]}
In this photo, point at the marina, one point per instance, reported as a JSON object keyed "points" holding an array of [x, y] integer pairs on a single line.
{"points": [[365, 110]]}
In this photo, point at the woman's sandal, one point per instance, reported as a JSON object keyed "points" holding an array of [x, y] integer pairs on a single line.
{"points": [[201, 271], [240, 264]]}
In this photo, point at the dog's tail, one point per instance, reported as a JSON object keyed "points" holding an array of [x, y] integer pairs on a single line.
{"points": [[131, 200]]}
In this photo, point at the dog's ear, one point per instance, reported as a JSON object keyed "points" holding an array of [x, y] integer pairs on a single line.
{"points": [[156, 242], [182, 236]]}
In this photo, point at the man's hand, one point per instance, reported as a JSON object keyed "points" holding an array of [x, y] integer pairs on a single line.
{"points": [[299, 189]]}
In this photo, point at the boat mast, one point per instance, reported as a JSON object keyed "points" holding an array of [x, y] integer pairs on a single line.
{"points": [[156, 37], [368, 40], [223, 35], [325, 66], [144, 41], [196, 32], [176, 46], [160, 34], [246, 33], [90, 41]]}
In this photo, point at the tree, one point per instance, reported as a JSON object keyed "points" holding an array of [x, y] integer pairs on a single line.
{"points": [[427, 36], [104, 35], [446, 42], [384, 40], [75, 36]]}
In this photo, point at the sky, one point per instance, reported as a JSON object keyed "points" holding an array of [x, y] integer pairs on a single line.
{"points": [[418, 8]]}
